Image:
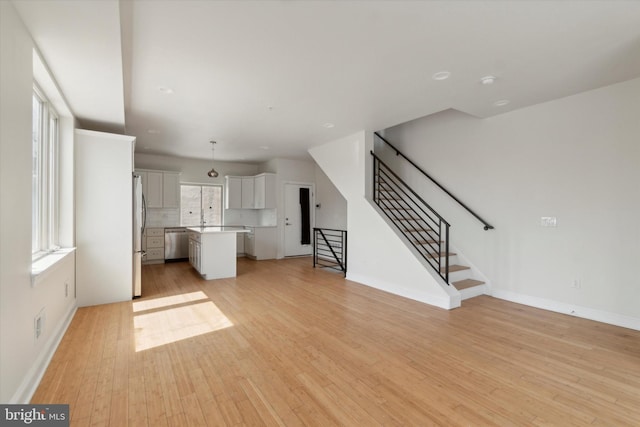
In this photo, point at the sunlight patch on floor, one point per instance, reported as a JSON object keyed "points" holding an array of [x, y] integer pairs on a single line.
{"points": [[150, 304], [174, 324]]}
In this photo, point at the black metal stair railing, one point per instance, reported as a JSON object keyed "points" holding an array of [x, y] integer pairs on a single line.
{"points": [[485, 224], [330, 249], [421, 225]]}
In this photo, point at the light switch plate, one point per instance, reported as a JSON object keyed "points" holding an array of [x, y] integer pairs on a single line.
{"points": [[548, 221]]}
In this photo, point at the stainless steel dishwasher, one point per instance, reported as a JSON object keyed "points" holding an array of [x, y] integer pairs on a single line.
{"points": [[176, 244]]}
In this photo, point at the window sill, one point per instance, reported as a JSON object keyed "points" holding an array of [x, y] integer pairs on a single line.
{"points": [[48, 263]]}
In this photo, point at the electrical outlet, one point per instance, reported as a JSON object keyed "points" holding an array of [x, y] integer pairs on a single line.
{"points": [[66, 289], [575, 284], [38, 324]]}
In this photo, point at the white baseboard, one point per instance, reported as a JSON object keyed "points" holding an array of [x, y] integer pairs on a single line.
{"points": [[452, 301], [31, 381], [570, 309]]}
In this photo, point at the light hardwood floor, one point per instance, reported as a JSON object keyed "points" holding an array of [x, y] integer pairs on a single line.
{"points": [[285, 344]]}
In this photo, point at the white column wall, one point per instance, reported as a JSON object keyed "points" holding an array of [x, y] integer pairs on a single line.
{"points": [[376, 255]]}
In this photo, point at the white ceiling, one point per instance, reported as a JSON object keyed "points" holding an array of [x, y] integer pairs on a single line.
{"points": [[263, 77]]}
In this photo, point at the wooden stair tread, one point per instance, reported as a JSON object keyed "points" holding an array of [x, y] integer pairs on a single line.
{"points": [[466, 283], [455, 267], [426, 242], [435, 254]]}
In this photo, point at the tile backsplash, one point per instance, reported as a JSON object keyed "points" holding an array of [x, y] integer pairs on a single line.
{"points": [[163, 217], [251, 217], [256, 217]]}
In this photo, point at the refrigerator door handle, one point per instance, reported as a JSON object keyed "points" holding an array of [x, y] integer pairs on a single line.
{"points": [[144, 214]]}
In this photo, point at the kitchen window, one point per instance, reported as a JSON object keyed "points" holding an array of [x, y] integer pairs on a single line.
{"points": [[45, 189], [200, 204]]}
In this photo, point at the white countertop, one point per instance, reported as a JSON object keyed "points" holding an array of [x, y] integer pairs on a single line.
{"points": [[223, 229]]}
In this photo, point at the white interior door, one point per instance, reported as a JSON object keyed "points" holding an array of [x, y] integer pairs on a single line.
{"points": [[295, 228]]}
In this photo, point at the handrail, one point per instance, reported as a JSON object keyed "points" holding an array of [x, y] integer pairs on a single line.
{"points": [[487, 226]]}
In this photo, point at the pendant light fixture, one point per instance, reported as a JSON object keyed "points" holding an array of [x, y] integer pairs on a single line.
{"points": [[212, 173]]}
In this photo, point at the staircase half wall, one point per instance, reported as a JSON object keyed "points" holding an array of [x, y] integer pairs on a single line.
{"points": [[377, 256]]}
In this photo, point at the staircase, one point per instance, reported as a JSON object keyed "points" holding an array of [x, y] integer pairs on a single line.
{"points": [[422, 227]]}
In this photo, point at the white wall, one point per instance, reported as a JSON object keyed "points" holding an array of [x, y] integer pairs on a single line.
{"points": [[332, 212], [376, 255], [22, 358], [577, 159]]}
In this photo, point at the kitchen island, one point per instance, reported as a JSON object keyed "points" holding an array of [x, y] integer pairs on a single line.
{"points": [[212, 250]]}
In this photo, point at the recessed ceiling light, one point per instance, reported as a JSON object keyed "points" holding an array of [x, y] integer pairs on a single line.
{"points": [[328, 125], [441, 75], [165, 90], [488, 80], [501, 103]]}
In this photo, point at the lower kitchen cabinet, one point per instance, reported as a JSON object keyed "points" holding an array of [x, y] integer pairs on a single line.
{"points": [[153, 245], [261, 243], [213, 253], [195, 251]]}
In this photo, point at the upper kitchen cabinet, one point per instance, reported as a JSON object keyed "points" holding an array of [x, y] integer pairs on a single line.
{"points": [[264, 191], [233, 192], [250, 192], [153, 195], [161, 189], [248, 189], [170, 190]]}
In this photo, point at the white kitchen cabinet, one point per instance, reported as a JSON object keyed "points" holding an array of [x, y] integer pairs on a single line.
{"points": [[264, 191], [233, 192], [261, 243], [195, 251], [212, 251], [240, 244], [161, 189], [170, 190], [153, 245], [250, 192], [153, 196], [249, 246], [248, 201]]}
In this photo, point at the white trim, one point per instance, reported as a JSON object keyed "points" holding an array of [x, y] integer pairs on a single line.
{"points": [[32, 379], [47, 264], [442, 302], [570, 309]]}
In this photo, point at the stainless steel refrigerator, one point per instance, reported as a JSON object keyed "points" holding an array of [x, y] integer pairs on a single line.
{"points": [[139, 219]]}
